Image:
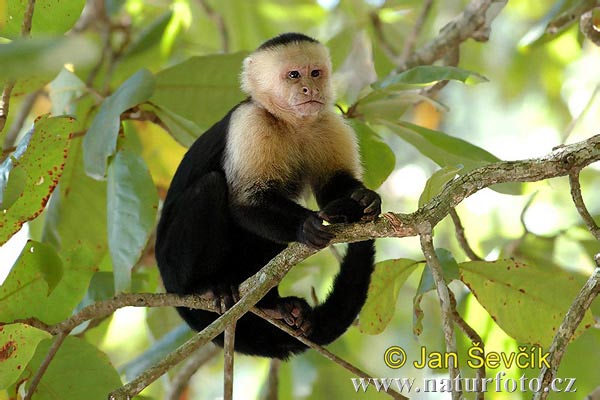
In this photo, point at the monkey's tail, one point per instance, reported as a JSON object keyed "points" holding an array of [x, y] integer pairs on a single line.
{"points": [[349, 292], [331, 318]]}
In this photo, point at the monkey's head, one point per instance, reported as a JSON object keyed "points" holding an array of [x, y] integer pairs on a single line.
{"points": [[289, 75]]}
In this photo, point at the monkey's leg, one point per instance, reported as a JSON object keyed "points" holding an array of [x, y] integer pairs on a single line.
{"points": [[193, 241]]}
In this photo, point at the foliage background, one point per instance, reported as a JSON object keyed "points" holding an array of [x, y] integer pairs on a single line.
{"points": [[182, 59]]}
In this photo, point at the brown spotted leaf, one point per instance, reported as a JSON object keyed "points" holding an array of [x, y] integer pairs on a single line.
{"points": [[40, 158], [17, 346], [527, 302], [386, 281]]}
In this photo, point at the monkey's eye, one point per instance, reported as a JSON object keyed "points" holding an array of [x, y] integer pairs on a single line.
{"points": [[293, 74], [315, 73]]}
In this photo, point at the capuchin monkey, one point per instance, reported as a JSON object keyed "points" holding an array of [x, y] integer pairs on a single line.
{"points": [[232, 205]]}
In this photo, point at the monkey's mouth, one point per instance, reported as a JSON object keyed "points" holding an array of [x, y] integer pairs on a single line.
{"points": [[310, 102]]}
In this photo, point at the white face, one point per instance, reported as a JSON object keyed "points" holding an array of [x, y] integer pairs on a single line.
{"points": [[291, 81]]}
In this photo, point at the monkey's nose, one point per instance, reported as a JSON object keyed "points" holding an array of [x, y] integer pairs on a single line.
{"points": [[306, 90]]}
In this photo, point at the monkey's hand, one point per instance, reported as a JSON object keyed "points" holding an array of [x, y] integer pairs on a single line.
{"points": [[362, 205], [370, 201], [313, 233], [224, 297]]}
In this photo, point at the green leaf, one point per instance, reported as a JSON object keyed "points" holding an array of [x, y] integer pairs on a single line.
{"points": [[430, 74], [150, 36], [182, 130], [446, 150], [78, 371], [163, 346], [436, 183], [41, 155], [377, 158], [387, 107], [14, 187], [426, 284], [43, 58], [191, 89], [63, 90], [132, 204], [37, 287], [50, 17], [100, 141], [528, 303], [17, 346], [79, 198], [386, 281]]}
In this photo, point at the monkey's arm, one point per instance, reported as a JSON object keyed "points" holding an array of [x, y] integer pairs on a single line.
{"points": [[343, 198], [272, 216]]}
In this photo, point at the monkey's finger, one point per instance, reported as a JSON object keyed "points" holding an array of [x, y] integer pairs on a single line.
{"points": [[374, 207], [359, 196], [305, 328], [333, 219]]}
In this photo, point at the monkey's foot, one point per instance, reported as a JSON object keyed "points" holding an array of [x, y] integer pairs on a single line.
{"points": [[295, 312], [225, 297]]}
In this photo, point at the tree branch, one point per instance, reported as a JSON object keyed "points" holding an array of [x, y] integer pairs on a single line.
{"points": [[58, 341], [475, 340], [588, 28], [411, 39], [580, 205], [446, 305], [563, 336], [321, 350], [560, 162], [192, 364], [462, 239], [229, 346], [10, 84], [471, 23]]}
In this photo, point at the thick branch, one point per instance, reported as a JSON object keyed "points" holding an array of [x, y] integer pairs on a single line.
{"points": [[471, 23]]}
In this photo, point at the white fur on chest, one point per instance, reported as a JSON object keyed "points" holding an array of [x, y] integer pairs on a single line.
{"points": [[261, 150]]}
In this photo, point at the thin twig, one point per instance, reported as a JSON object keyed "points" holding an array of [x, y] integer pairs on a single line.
{"points": [[136, 114], [462, 239], [588, 27], [411, 40], [564, 20], [5, 102], [567, 328], [191, 366], [229, 347], [58, 341], [10, 84], [565, 135], [475, 340], [580, 205], [321, 350], [386, 46], [443, 293], [272, 391], [17, 125], [219, 21], [28, 19]]}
